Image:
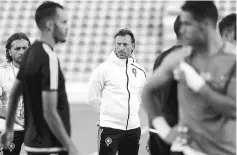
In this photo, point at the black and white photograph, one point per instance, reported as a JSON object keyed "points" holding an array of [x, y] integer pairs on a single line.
{"points": [[117, 77]]}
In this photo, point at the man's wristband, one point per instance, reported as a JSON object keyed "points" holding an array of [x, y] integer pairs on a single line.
{"points": [[161, 126]]}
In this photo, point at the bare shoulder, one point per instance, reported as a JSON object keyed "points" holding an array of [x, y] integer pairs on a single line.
{"points": [[172, 60]]}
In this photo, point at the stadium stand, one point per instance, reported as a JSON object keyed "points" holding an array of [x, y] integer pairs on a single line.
{"points": [[92, 26]]}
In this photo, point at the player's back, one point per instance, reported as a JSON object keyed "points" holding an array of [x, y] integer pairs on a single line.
{"points": [[40, 71]]}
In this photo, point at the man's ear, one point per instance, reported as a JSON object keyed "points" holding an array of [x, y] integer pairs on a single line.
{"points": [[204, 24], [225, 35], [8, 50], [207, 23], [49, 25], [133, 47]]}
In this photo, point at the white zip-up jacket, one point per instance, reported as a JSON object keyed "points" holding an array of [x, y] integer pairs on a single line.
{"points": [[7, 76], [116, 84]]}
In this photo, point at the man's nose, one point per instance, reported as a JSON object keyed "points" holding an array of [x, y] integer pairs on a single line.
{"points": [[121, 47], [21, 51]]}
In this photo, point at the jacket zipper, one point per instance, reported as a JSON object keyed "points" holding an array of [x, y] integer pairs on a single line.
{"points": [[128, 94]]}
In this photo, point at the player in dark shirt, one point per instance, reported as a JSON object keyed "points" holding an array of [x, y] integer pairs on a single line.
{"points": [[166, 102], [40, 79]]}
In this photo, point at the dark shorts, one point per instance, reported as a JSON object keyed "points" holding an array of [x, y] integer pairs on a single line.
{"points": [[15, 146], [111, 141]]}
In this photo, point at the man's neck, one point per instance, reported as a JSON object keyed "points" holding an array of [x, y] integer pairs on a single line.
{"points": [[15, 64], [213, 45], [215, 42], [47, 38]]}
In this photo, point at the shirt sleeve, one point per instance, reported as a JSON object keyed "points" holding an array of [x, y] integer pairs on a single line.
{"points": [[49, 70], [96, 84]]}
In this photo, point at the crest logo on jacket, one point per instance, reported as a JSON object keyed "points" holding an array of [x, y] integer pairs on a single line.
{"points": [[134, 71]]}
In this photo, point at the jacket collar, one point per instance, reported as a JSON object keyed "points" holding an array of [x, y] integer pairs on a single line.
{"points": [[113, 58], [13, 68], [11, 64]]}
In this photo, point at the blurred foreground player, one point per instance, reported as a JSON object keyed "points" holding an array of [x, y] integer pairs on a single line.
{"points": [[16, 46], [206, 88], [40, 79], [166, 102]]}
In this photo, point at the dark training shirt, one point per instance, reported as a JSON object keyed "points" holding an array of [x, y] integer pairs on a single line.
{"points": [[40, 71]]}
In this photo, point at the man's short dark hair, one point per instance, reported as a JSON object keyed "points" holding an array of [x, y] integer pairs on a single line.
{"points": [[228, 21], [124, 32], [177, 25], [202, 10], [15, 36], [45, 10]]}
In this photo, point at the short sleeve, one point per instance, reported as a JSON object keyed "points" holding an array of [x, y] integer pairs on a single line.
{"points": [[49, 70]]}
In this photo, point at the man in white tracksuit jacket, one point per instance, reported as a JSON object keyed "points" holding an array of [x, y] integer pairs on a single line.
{"points": [[115, 86], [16, 46]]}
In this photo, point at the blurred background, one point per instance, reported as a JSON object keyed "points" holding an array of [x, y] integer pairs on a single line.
{"points": [[92, 25]]}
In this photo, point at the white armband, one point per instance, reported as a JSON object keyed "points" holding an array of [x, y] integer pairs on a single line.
{"points": [[161, 126]]}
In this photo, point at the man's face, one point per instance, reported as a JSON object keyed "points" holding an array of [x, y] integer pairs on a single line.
{"points": [[124, 46], [60, 26], [192, 31], [17, 50]]}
